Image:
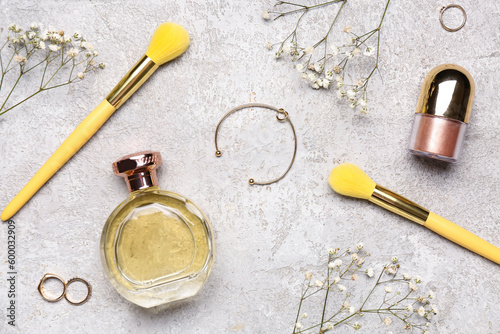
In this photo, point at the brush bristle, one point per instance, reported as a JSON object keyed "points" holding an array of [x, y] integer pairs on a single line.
{"points": [[349, 180], [169, 41]]}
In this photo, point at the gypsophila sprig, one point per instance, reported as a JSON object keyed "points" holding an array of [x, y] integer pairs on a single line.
{"points": [[324, 63], [335, 300], [60, 58]]}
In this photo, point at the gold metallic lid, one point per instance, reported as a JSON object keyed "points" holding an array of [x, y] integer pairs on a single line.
{"points": [[447, 91], [139, 169]]}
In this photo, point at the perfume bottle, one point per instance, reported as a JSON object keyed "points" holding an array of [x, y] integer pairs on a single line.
{"points": [[156, 246]]}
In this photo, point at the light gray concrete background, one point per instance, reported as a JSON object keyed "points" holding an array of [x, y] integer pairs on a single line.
{"points": [[266, 237]]}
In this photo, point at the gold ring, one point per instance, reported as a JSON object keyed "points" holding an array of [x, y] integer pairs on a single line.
{"points": [[89, 291], [42, 293], [444, 9]]}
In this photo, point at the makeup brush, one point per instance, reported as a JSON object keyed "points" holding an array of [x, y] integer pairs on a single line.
{"points": [[349, 180], [169, 41]]}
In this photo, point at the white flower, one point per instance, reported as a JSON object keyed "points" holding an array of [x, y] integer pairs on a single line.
{"points": [[336, 279], [318, 67], [369, 272], [53, 47], [360, 82], [353, 105], [359, 246], [352, 310], [340, 93], [41, 45], [394, 259], [362, 102], [431, 294], [298, 325], [20, 59], [388, 289], [354, 277], [412, 286], [335, 50], [318, 283], [44, 36], [341, 287], [434, 309], [265, 15], [77, 36], [417, 279], [391, 270], [356, 51], [304, 76], [72, 52], [337, 263], [387, 321], [351, 94], [308, 275], [329, 75], [356, 325], [332, 251], [346, 304], [80, 75], [406, 276], [269, 46], [299, 67], [350, 55], [369, 51], [304, 315], [277, 54], [31, 35], [354, 256], [338, 78], [339, 84], [421, 311], [34, 25], [316, 85], [360, 262], [87, 46], [347, 29], [336, 69], [312, 77], [409, 308], [309, 50], [329, 326]]}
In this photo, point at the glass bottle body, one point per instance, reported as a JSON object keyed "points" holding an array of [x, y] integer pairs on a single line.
{"points": [[157, 247]]}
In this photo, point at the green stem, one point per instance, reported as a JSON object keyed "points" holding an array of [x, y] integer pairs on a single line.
{"points": [[8, 96]]}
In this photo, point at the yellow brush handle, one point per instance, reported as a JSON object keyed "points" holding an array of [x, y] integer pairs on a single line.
{"points": [[462, 237], [83, 132]]}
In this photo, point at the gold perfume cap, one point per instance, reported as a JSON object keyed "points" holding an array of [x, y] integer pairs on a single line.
{"points": [[138, 169], [447, 91]]}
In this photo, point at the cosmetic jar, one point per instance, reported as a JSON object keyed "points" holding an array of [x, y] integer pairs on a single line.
{"points": [[443, 112]]}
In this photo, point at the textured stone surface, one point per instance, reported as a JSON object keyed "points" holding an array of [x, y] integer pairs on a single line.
{"points": [[266, 237]]}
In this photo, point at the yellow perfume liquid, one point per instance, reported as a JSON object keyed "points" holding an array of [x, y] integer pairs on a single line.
{"points": [[156, 246]]}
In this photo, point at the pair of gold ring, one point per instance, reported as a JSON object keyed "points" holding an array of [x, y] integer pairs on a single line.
{"points": [[65, 289]]}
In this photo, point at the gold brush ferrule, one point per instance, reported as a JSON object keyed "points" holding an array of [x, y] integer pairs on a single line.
{"points": [[398, 204], [131, 81]]}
